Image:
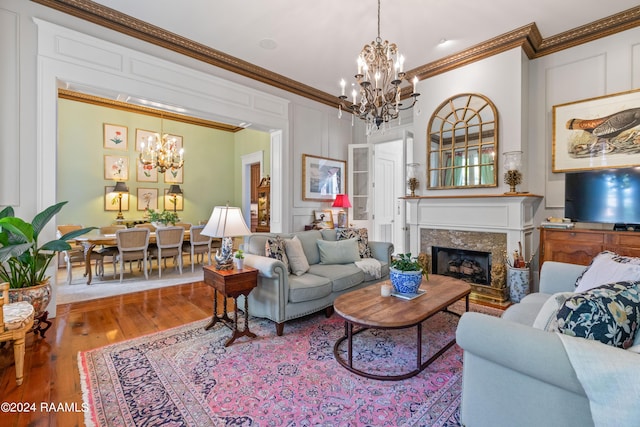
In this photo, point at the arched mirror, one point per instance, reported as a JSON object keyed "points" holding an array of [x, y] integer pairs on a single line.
{"points": [[462, 142]]}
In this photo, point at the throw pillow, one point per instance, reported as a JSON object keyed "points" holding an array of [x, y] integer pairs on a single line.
{"points": [[295, 254], [608, 267], [547, 318], [609, 314], [338, 252], [275, 248], [361, 235]]}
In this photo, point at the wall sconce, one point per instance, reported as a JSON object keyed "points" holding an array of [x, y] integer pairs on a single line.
{"points": [[513, 165], [412, 177], [174, 190], [342, 201], [120, 188]]}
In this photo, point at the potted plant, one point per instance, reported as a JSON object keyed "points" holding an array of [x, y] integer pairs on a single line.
{"points": [[23, 263], [238, 259], [406, 273], [162, 219]]}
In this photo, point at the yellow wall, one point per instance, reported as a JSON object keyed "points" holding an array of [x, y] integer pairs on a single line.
{"points": [[209, 173]]}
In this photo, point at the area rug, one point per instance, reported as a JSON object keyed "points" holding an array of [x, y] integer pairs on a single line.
{"points": [[186, 377]]}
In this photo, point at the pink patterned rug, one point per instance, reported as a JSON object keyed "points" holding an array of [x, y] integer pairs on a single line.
{"points": [[186, 377]]}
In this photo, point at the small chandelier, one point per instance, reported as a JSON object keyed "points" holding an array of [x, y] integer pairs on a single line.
{"points": [[380, 73], [161, 152]]}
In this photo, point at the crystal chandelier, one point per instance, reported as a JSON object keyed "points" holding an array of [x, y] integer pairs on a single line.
{"points": [[161, 152], [380, 73]]}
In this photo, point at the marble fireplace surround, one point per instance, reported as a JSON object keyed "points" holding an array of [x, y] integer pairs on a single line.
{"points": [[491, 223]]}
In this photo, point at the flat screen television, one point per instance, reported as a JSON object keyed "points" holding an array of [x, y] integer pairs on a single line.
{"points": [[610, 196]]}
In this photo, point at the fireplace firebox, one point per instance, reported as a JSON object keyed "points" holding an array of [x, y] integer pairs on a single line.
{"points": [[468, 265]]}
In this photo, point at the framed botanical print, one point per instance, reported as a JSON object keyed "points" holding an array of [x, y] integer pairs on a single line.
{"points": [[116, 168], [144, 136], [111, 200], [322, 178], [115, 137], [146, 173], [597, 133], [147, 198], [168, 201], [174, 176]]}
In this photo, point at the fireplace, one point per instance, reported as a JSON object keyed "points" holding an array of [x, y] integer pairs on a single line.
{"points": [[468, 265]]}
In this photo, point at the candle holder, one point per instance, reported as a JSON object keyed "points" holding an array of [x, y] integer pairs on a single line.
{"points": [[412, 173], [513, 164]]}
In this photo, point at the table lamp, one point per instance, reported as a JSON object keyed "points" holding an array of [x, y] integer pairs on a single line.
{"points": [[120, 188], [174, 190], [342, 201], [226, 222]]}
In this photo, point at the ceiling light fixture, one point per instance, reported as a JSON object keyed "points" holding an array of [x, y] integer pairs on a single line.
{"points": [[380, 73], [161, 152]]}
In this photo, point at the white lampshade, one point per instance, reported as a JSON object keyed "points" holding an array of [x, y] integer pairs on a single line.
{"points": [[226, 221]]}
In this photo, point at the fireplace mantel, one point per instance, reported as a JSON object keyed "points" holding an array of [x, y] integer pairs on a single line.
{"points": [[511, 214]]}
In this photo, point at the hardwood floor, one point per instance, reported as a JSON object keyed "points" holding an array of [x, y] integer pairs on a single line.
{"points": [[51, 366]]}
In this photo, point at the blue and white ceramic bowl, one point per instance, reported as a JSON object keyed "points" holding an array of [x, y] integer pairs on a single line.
{"points": [[405, 282]]}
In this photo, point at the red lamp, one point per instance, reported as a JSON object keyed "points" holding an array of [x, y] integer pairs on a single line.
{"points": [[342, 201]]}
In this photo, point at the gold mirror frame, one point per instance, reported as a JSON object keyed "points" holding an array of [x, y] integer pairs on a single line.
{"points": [[462, 142]]}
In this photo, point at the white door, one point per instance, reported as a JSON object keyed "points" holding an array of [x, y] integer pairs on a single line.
{"points": [[388, 180]]}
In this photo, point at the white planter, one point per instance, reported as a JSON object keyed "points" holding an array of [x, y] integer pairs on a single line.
{"points": [[239, 263]]}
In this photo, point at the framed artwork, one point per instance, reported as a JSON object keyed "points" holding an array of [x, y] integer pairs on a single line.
{"points": [[111, 200], [324, 218], [597, 133], [147, 198], [115, 137], [322, 178], [168, 201], [143, 136], [145, 173], [116, 168]]}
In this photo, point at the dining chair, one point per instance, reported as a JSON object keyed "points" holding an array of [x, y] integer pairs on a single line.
{"points": [[109, 251], [76, 253], [198, 244], [147, 225], [168, 245], [184, 225], [16, 319], [133, 244]]}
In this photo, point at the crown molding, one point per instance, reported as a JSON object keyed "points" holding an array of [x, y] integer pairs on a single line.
{"points": [[133, 108], [528, 38]]}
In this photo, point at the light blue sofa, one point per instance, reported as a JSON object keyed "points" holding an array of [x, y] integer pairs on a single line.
{"points": [[281, 296], [516, 375]]}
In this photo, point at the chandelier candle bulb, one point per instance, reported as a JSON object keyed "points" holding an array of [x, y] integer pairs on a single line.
{"points": [[343, 85]]}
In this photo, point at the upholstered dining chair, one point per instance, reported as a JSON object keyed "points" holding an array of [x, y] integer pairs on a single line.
{"points": [[147, 225], [133, 244], [76, 253], [168, 245], [198, 244], [109, 251], [16, 319]]}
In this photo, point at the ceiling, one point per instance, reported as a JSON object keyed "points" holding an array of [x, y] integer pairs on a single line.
{"points": [[315, 43]]}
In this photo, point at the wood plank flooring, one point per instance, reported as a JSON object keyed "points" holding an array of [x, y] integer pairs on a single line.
{"points": [[51, 366]]}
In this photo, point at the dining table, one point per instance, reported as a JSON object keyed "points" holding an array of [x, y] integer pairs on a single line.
{"points": [[89, 242]]}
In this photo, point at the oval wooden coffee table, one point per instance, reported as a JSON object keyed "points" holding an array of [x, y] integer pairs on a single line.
{"points": [[368, 309]]}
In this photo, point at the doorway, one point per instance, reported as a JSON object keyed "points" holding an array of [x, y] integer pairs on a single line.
{"points": [[388, 176]]}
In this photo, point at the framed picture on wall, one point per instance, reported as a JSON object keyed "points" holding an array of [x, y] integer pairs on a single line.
{"points": [[145, 173], [147, 198], [322, 178], [144, 136], [116, 168], [111, 200], [168, 201], [597, 133], [174, 176], [115, 137]]}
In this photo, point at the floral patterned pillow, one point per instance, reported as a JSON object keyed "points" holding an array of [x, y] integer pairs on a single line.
{"points": [[275, 248], [361, 235], [609, 314]]}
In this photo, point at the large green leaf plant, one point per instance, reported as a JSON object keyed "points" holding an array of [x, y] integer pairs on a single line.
{"points": [[22, 262]]}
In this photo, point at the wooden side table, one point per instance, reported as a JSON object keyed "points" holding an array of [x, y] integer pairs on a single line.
{"points": [[231, 283]]}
